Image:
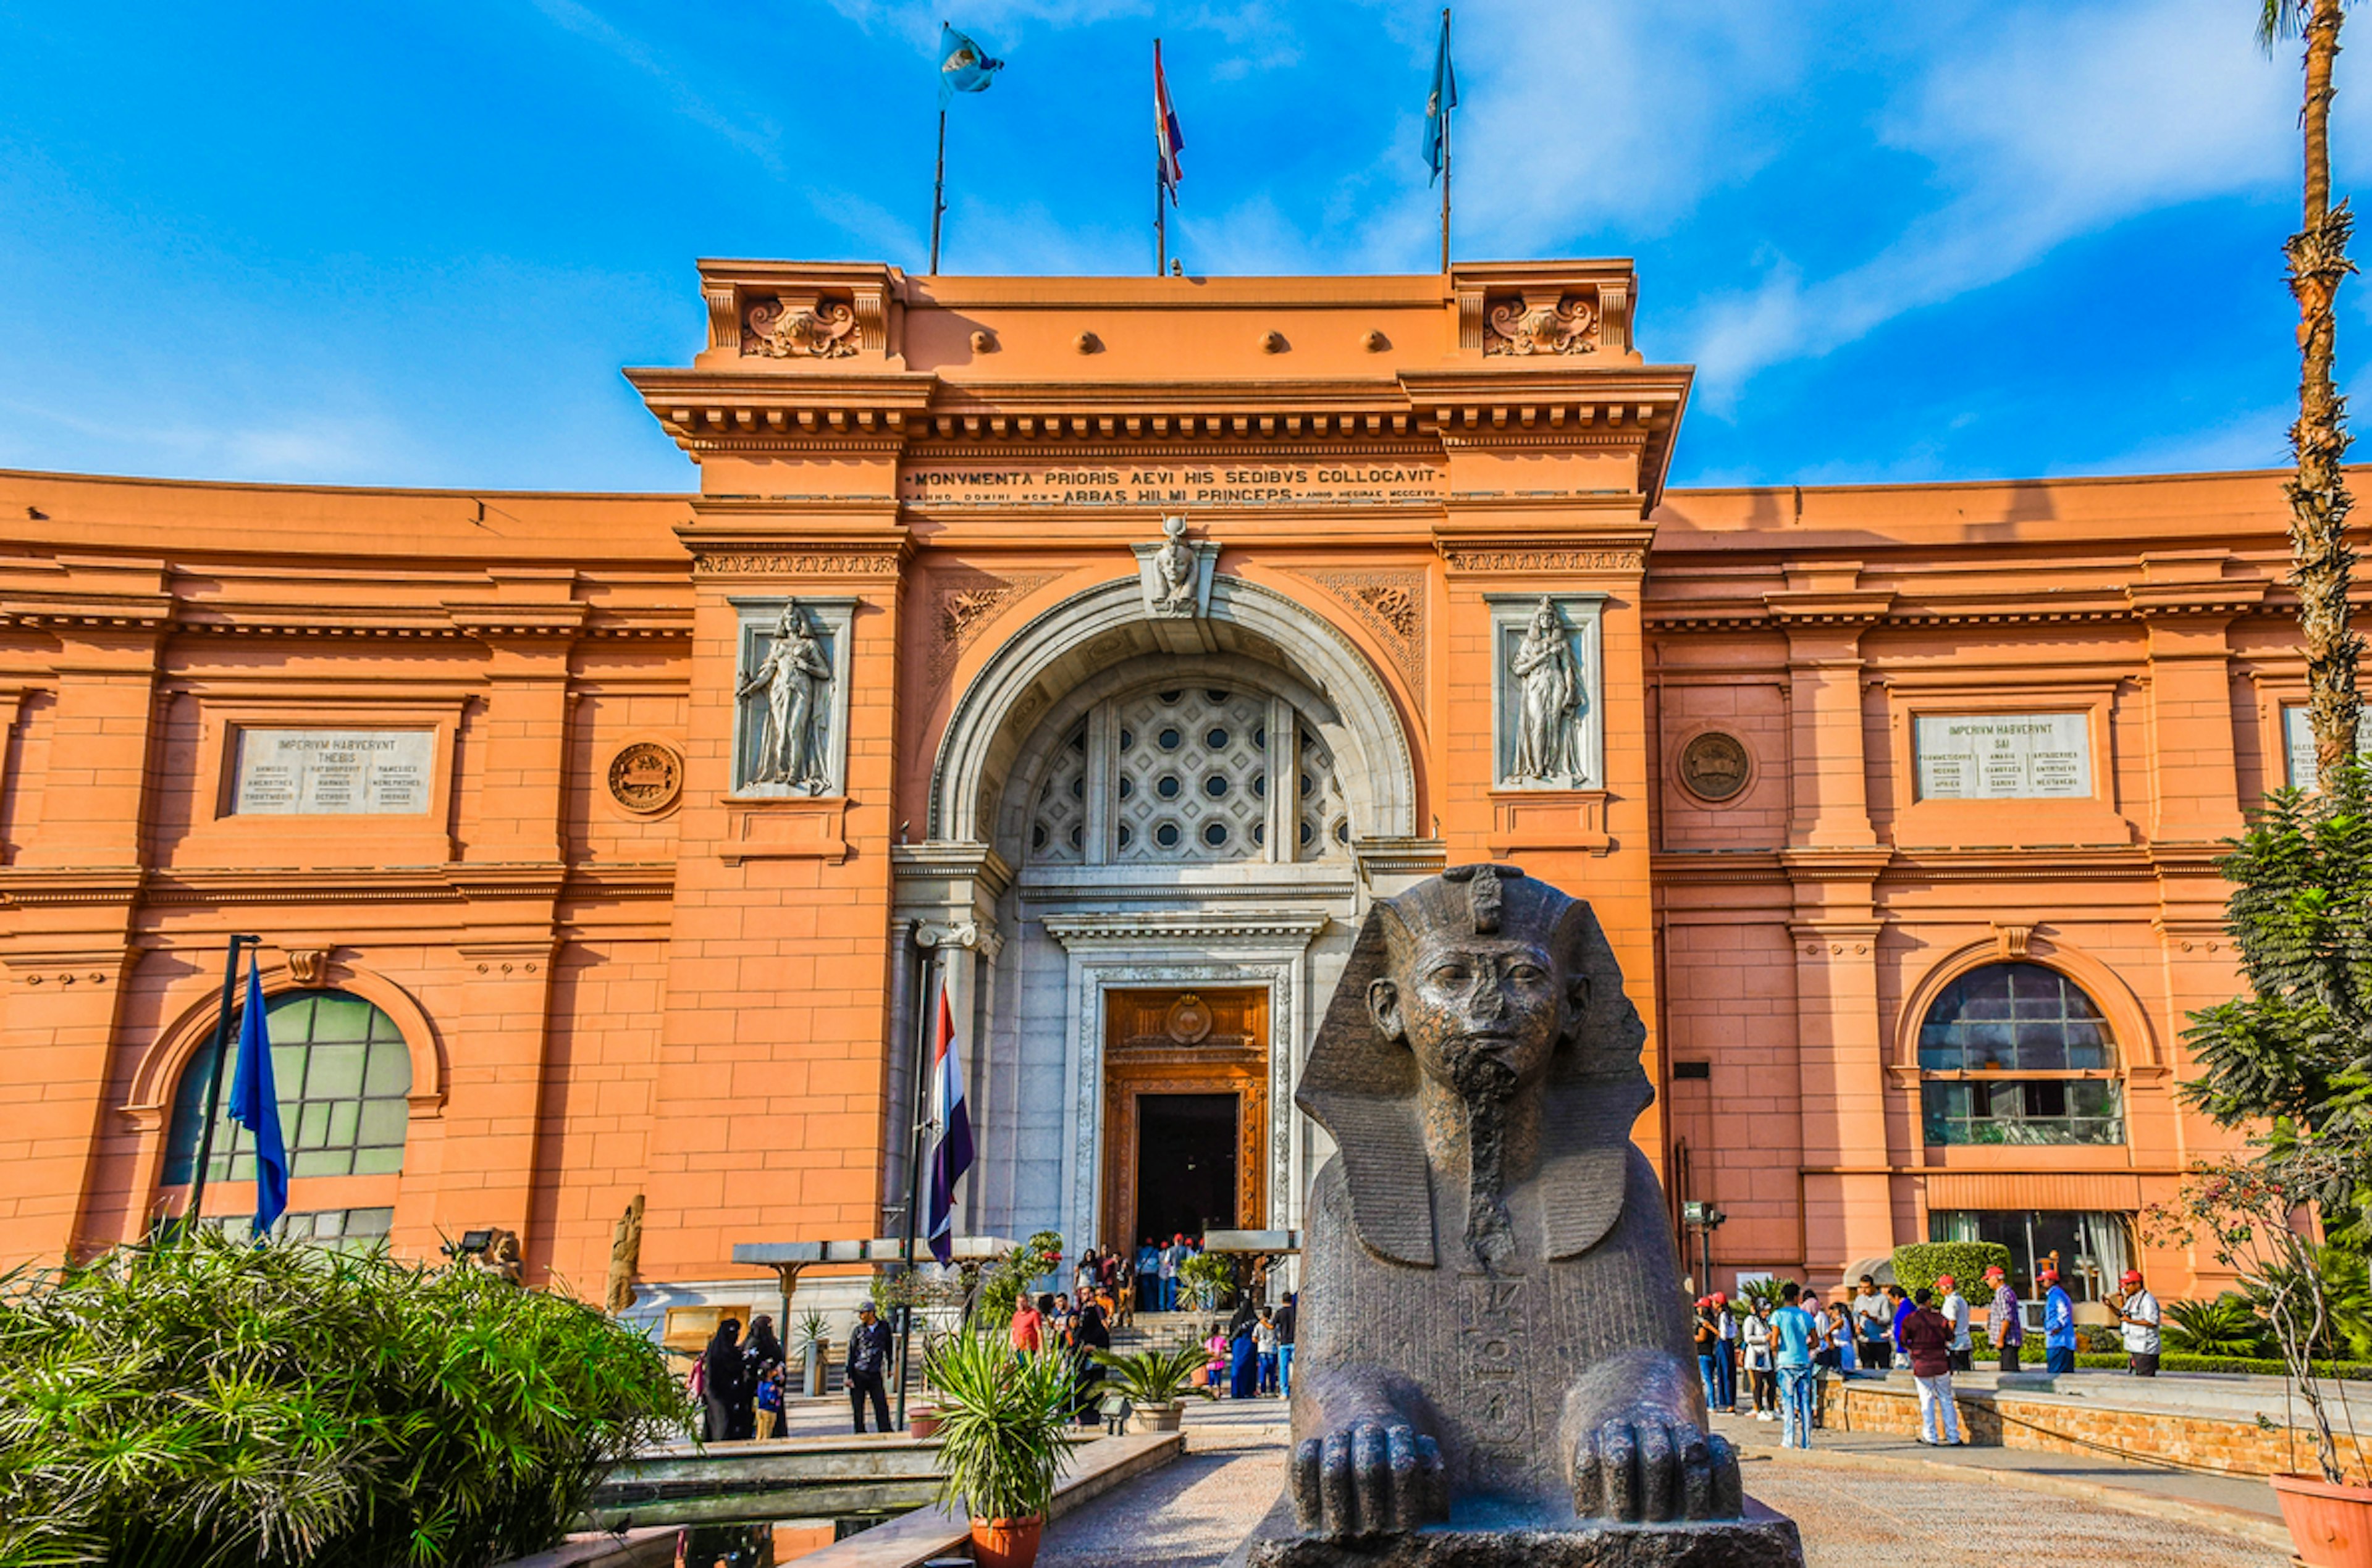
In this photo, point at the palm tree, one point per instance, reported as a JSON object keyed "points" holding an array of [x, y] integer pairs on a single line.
{"points": [[2318, 493]]}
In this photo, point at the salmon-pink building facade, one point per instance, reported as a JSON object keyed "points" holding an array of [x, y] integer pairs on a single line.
{"points": [[1096, 650]]}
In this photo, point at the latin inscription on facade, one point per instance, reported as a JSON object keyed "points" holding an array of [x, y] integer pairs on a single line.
{"points": [[2002, 756], [333, 772], [1173, 484]]}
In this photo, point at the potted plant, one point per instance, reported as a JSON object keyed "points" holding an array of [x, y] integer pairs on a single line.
{"points": [[2258, 1216], [813, 1343], [1208, 1275], [1155, 1382], [1004, 1421]]}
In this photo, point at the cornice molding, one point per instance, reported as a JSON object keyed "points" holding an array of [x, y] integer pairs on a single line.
{"points": [[1123, 929]]}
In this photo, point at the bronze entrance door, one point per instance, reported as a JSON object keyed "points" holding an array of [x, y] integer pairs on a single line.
{"points": [[1185, 1112]]}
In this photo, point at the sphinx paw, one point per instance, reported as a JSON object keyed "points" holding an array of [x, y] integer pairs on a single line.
{"points": [[1649, 1468], [1368, 1478]]}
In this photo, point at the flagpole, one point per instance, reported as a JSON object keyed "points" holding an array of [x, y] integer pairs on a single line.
{"points": [[1161, 171], [939, 196], [926, 1014], [1445, 112], [196, 1204]]}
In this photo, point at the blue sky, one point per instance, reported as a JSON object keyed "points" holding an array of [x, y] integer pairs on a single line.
{"points": [[412, 242]]}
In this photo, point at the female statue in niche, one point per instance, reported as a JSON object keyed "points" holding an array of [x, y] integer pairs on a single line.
{"points": [[795, 676], [1545, 733]]}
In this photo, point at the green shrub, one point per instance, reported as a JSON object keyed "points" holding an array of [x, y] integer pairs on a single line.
{"points": [[1002, 1424], [202, 1402], [1209, 1278], [2226, 1326], [1919, 1264], [1012, 1272], [2350, 1371], [2099, 1338]]}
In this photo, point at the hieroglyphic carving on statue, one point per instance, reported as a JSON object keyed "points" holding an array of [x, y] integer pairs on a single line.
{"points": [[797, 329], [1550, 684], [1545, 559], [1389, 604], [963, 608], [626, 1256], [802, 564], [1543, 324], [794, 674]]}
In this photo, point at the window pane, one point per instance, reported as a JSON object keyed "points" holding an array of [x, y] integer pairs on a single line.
{"points": [[378, 1162], [338, 1017], [344, 1115], [390, 1069], [320, 1162], [382, 1122], [312, 1128], [334, 1069]]}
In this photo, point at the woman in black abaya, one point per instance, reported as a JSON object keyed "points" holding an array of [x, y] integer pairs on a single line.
{"points": [[726, 1392], [1092, 1337]]}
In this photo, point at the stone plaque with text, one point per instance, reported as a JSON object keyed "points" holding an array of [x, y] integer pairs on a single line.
{"points": [[333, 772], [2002, 756]]}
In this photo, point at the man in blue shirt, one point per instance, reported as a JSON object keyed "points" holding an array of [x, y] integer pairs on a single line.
{"points": [[2058, 1326], [1792, 1333]]}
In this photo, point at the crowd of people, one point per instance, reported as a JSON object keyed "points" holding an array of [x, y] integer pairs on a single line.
{"points": [[1789, 1345]]}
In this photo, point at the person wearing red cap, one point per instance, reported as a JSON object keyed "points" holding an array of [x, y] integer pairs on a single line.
{"points": [[2059, 1337], [2138, 1316], [2004, 1326]]}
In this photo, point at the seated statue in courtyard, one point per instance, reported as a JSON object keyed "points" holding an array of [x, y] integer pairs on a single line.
{"points": [[1493, 1333]]}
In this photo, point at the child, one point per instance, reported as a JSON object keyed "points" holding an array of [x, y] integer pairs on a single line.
{"points": [[770, 1402], [1215, 1372], [1264, 1346]]}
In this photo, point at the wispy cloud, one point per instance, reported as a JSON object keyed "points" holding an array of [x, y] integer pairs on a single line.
{"points": [[2039, 126], [757, 135]]}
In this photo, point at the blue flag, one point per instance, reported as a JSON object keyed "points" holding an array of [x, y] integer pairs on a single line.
{"points": [[1438, 105], [255, 1104], [964, 67]]}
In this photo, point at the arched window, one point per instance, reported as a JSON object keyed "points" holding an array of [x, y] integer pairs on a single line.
{"points": [[343, 1072], [1190, 775], [2017, 1053]]}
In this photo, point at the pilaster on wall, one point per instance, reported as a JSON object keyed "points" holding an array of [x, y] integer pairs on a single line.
{"points": [[72, 891], [1832, 861], [2188, 608], [780, 969]]}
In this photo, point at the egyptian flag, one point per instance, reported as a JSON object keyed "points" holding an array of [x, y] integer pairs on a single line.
{"points": [[1168, 140], [951, 1150]]}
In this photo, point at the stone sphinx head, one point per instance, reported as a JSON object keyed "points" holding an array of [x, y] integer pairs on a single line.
{"points": [[1480, 1033]]}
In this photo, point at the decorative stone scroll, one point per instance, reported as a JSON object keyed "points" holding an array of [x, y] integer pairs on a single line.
{"points": [[1547, 322], [1547, 691], [1177, 572], [798, 563], [791, 697], [1511, 561], [800, 329]]}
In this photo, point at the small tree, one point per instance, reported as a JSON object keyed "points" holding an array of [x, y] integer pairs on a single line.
{"points": [[2255, 1216]]}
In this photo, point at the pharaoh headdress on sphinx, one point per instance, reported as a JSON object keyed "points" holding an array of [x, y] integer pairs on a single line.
{"points": [[1362, 1086]]}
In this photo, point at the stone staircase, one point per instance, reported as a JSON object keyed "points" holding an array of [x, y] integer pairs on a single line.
{"points": [[1164, 1330]]}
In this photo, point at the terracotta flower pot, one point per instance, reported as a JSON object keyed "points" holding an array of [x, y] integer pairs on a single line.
{"points": [[1006, 1543], [2330, 1525], [923, 1421]]}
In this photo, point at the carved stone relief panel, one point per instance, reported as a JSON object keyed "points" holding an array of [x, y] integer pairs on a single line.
{"points": [[1176, 572], [791, 697], [813, 327], [1548, 691], [963, 607], [1548, 321], [1390, 605]]}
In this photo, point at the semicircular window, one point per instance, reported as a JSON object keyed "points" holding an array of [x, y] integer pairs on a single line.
{"points": [[344, 1074], [2017, 1053], [1200, 791]]}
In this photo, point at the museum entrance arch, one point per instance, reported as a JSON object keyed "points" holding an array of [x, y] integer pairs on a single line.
{"points": [[1186, 1102], [1133, 816]]}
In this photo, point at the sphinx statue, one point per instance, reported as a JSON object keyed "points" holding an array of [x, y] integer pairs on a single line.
{"points": [[1493, 1355]]}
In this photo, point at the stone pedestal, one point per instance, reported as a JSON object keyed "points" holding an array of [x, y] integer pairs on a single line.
{"points": [[1476, 1538]]}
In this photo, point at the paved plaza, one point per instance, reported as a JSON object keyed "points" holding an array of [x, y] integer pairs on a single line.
{"points": [[1861, 1503]]}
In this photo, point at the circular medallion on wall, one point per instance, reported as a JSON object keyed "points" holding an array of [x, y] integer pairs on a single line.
{"points": [[1189, 1022], [1715, 766], [645, 777]]}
